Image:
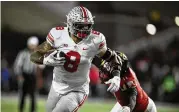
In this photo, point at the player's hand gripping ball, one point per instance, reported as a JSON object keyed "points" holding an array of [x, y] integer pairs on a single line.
{"points": [[54, 58]]}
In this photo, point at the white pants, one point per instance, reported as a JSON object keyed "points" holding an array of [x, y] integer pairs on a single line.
{"points": [[69, 102], [150, 108]]}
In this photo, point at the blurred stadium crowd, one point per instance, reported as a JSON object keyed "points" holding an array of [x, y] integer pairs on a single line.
{"points": [[155, 59]]}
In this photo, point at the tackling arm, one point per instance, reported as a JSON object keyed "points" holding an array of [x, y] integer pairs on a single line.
{"points": [[107, 55], [113, 69], [111, 61], [103, 52], [132, 98], [38, 55]]}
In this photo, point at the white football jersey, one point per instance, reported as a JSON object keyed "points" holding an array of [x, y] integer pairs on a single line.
{"points": [[74, 74]]}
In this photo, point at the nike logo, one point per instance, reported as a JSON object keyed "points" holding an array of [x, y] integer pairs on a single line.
{"points": [[85, 48]]}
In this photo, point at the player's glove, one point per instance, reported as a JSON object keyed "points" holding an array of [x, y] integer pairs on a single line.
{"points": [[125, 109], [114, 84], [53, 59]]}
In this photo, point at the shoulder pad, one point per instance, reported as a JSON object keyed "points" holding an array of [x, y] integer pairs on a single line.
{"points": [[98, 39], [122, 55], [54, 34]]}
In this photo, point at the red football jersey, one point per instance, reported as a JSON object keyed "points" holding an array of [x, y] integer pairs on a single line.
{"points": [[129, 80]]}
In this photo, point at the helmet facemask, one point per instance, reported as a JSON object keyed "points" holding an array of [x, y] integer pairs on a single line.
{"points": [[82, 30]]}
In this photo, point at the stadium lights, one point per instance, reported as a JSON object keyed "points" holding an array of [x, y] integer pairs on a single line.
{"points": [[151, 29], [177, 20]]}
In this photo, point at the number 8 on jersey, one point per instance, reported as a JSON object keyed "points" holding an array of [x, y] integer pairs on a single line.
{"points": [[72, 61]]}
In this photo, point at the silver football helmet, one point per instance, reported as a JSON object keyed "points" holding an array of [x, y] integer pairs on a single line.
{"points": [[80, 22]]}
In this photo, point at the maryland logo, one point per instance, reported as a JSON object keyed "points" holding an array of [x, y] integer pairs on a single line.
{"points": [[123, 56]]}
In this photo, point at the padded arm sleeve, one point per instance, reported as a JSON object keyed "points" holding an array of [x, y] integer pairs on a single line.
{"points": [[132, 98]]}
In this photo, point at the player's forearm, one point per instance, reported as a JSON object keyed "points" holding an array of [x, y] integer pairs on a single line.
{"points": [[99, 63], [132, 99], [37, 57], [116, 73]]}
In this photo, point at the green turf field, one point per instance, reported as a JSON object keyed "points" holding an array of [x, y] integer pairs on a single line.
{"points": [[9, 105]]}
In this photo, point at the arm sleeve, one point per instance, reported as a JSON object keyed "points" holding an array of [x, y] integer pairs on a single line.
{"points": [[132, 92], [18, 63], [132, 98], [51, 37]]}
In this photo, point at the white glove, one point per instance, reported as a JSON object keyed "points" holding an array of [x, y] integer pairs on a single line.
{"points": [[125, 109], [114, 84], [51, 60]]}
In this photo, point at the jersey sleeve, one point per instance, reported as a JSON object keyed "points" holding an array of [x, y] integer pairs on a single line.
{"points": [[100, 42], [131, 79], [131, 84], [52, 36]]}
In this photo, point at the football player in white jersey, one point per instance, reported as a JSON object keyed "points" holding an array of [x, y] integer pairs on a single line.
{"points": [[70, 50]]}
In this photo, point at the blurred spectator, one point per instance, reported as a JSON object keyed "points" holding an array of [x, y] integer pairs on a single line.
{"points": [[4, 74], [175, 73], [173, 52], [94, 80], [27, 74], [142, 66], [171, 80], [169, 86], [159, 70]]}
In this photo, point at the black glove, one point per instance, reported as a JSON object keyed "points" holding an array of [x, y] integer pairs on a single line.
{"points": [[108, 67], [119, 62]]}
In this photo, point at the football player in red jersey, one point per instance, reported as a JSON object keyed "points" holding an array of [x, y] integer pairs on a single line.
{"points": [[131, 97]]}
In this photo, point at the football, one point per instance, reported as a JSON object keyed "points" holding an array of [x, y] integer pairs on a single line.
{"points": [[49, 52], [58, 54]]}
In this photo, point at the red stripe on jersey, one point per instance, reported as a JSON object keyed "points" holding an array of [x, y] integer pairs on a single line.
{"points": [[50, 37], [49, 40], [84, 13], [101, 45]]}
